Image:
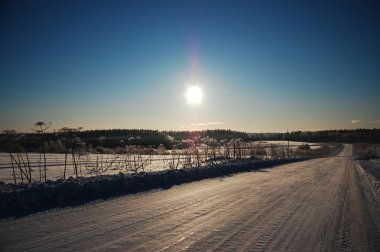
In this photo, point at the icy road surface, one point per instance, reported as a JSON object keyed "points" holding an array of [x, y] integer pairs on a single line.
{"points": [[323, 204]]}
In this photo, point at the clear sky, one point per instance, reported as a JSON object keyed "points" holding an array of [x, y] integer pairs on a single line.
{"points": [[262, 65]]}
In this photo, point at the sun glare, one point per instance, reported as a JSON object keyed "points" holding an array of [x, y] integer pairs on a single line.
{"points": [[194, 95]]}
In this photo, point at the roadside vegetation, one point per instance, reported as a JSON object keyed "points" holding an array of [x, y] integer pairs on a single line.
{"points": [[367, 150]]}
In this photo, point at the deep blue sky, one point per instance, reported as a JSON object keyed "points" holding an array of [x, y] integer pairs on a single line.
{"points": [[263, 65]]}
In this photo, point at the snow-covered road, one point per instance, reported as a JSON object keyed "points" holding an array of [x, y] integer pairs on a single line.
{"points": [[323, 204]]}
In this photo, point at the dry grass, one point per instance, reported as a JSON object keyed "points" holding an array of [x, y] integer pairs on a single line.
{"points": [[366, 150]]}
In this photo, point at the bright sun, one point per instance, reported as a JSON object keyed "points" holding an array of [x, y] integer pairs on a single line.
{"points": [[194, 94]]}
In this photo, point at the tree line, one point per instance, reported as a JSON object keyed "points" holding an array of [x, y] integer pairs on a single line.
{"points": [[11, 140]]}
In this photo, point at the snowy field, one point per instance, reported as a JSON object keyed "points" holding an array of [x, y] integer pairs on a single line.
{"points": [[292, 143], [87, 165], [95, 164]]}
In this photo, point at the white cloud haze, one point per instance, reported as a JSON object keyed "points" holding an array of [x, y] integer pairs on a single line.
{"points": [[207, 123]]}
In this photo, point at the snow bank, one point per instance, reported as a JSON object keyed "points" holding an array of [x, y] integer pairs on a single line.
{"points": [[372, 170], [26, 198]]}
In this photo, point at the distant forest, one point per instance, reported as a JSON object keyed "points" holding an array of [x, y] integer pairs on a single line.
{"points": [[153, 138]]}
